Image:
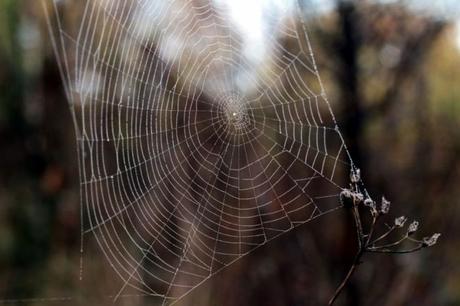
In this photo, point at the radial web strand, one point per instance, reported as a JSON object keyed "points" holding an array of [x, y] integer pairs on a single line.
{"points": [[198, 141]]}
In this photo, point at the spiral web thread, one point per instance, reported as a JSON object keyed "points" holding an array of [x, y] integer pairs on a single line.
{"points": [[193, 152]]}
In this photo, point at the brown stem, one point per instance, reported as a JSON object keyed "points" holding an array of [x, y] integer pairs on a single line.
{"points": [[383, 236], [345, 280], [361, 248], [371, 231], [417, 248], [391, 244]]}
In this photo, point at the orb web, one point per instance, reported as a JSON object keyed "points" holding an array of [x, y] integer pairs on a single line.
{"points": [[198, 142]]}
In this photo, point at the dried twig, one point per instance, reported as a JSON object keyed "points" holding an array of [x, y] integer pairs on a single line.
{"points": [[352, 199]]}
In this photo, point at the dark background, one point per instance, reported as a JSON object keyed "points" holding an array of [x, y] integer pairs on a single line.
{"points": [[392, 74]]}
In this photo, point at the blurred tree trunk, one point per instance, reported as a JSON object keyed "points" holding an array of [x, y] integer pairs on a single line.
{"points": [[348, 46]]}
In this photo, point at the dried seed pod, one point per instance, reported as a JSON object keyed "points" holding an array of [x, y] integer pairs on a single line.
{"points": [[368, 202], [400, 221], [346, 198], [355, 176], [430, 241], [385, 206], [372, 206], [412, 227]]}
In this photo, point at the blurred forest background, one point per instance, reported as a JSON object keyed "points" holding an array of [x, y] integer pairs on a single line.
{"points": [[392, 72]]}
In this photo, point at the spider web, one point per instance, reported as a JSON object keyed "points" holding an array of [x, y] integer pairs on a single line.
{"points": [[197, 142]]}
